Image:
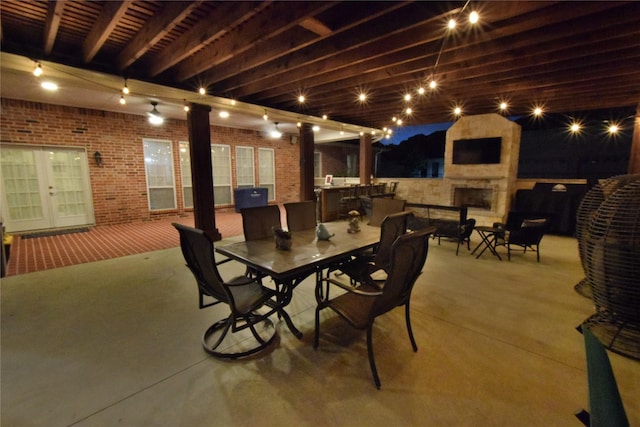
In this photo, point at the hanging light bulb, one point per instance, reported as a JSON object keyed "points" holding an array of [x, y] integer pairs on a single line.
{"points": [[474, 17], [186, 107], [265, 116], [154, 116], [433, 84], [122, 100], [275, 133], [125, 88], [202, 91], [37, 71]]}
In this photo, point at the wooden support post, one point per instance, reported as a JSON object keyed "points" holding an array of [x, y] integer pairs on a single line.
{"points": [[366, 159], [201, 170], [634, 156], [306, 162]]}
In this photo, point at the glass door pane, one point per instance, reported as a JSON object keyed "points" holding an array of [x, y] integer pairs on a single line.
{"points": [[22, 201]]}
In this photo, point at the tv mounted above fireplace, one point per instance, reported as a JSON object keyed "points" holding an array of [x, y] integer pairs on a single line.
{"points": [[477, 151]]}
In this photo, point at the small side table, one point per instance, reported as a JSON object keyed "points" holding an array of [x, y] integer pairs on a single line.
{"points": [[488, 236]]}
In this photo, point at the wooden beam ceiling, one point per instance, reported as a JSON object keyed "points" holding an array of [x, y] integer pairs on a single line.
{"points": [[568, 55]]}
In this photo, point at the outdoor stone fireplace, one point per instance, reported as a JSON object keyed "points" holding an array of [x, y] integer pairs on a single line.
{"points": [[481, 164], [480, 198]]}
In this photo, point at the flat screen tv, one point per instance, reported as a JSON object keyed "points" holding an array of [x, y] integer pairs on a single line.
{"points": [[476, 151]]}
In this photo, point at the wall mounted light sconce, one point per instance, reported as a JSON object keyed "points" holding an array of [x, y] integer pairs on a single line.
{"points": [[98, 157]]}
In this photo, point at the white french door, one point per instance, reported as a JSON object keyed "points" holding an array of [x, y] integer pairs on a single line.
{"points": [[44, 187]]}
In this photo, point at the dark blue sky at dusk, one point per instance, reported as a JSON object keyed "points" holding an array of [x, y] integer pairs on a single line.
{"points": [[405, 132]]}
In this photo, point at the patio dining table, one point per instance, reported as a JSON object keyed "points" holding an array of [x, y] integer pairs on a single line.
{"points": [[307, 255]]}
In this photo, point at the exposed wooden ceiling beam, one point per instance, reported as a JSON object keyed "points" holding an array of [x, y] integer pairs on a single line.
{"points": [[111, 13], [281, 45], [241, 38], [315, 26], [54, 14], [170, 14], [204, 32]]}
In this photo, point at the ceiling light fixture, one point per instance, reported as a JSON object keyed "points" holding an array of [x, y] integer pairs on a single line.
{"points": [[154, 115], [315, 128], [51, 86], [275, 133], [37, 71], [223, 114]]}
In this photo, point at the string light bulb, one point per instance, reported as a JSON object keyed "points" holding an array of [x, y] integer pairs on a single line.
{"points": [[265, 116], [432, 84], [122, 100], [125, 88], [575, 127], [474, 17], [202, 91], [451, 24], [37, 71]]}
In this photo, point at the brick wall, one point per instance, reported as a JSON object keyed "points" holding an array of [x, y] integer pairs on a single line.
{"points": [[119, 187]]}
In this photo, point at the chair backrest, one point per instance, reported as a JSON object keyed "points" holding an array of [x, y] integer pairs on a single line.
{"points": [[301, 215], [258, 222], [197, 250], [382, 206], [408, 255], [392, 227], [467, 228], [529, 233]]}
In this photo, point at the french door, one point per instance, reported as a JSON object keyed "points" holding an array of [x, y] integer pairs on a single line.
{"points": [[44, 187]]}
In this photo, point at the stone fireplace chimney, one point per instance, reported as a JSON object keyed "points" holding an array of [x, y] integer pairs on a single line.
{"points": [[475, 175]]}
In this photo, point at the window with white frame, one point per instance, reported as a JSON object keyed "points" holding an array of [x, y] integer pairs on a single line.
{"points": [[266, 171], [317, 164], [221, 166], [185, 172], [245, 175], [158, 162]]}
